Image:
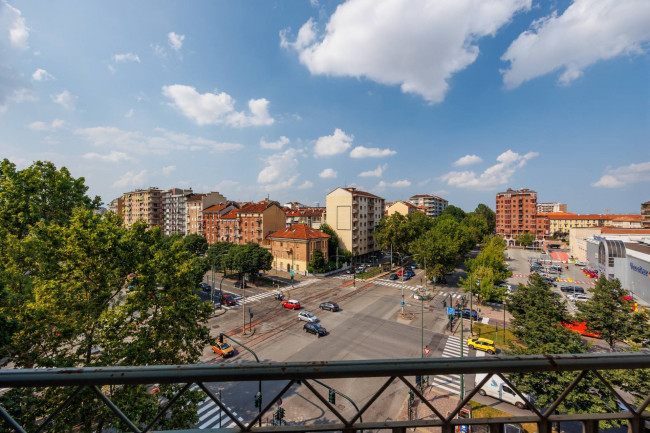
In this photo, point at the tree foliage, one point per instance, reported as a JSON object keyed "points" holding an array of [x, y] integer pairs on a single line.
{"points": [[317, 263], [195, 244], [525, 239], [248, 259], [334, 245], [490, 268], [489, 215], [457, 213]]}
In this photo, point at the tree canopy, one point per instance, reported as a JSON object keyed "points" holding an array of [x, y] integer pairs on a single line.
{"points": [[525, 239]]}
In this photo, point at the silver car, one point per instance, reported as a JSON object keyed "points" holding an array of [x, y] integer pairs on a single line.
{"points": [[307, 317]]}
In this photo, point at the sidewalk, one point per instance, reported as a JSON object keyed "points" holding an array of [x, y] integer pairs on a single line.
{"points": [[444, 403]]}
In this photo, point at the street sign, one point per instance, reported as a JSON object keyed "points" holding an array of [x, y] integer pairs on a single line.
{"points": [[402, 303], [451, 311], [427, 351], [279, 402], [292, 272]]}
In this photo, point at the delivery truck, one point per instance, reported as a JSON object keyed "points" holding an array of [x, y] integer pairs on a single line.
{"points": [[497, 388]]}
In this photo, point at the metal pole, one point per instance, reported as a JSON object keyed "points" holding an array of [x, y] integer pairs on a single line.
{"points": [[243, 304], [422, 327], [462, 349], [222, 402], [471, 311], [504, 321], [259, 386]]}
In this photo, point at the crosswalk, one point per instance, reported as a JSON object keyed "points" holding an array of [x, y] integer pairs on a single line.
{"points": [[211, 415], [239, 299], [453, 347]]}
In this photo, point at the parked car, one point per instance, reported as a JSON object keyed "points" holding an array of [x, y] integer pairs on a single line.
{"points": [[466, 314], [572, 289], [228, 299], [239, 284], [577, 297], [223, 349], [392, 277], [315, 328], [414, 266], [205, 287], [482, 344], [306, 316], [291, 304], [580, 263], [406, 277], [332, 306]]}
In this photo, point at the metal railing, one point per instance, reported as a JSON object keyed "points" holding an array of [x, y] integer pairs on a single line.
{"points": [[307, 374]]}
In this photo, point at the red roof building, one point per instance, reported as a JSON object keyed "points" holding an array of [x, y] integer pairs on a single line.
{"points": [[293, 247]]}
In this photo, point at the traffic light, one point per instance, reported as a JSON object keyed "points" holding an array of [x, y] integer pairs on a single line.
{"points": [[332, 396], [411, 396], [258, 400], [281, 413], [418, 381], [444, 304], [464, 298], [220, 338]]}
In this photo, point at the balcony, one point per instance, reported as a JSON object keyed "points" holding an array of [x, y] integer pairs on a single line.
{"points": [[383, 377]]}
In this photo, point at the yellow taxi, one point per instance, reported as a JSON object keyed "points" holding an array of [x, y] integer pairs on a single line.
{"points": [[223, 349], [482, 344]]}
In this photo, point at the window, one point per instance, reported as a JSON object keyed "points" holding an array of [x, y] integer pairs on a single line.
{"points": [[508, 390]]}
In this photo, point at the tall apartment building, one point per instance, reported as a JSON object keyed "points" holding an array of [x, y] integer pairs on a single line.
{"points": [[551, 207], [117, 205], [403, 207], [253, 222], [174, 215], [194, 209], [144, 205], [516, 212], [214, 226], [645, 214], [434, 205], [354, 215], [312, 216]]}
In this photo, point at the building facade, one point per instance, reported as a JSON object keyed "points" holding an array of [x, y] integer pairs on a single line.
{"points": [[353, 215], [142, 205], [117, 205], [194, 209], [551, 207], [433, 204], [174, 215], [258, 220], [645, 215], [516, 213], [402, 207], [212, 220], [312, 216], [293, 247]]}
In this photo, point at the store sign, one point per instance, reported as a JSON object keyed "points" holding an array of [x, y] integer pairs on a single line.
{"points": [[639, 269]]}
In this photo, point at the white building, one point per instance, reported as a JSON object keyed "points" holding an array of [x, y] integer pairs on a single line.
{"points": [[551, 207], [174, 214], [434, 205]]}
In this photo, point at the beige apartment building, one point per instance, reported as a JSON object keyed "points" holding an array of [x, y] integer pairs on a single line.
{"points": [[402, 207], [353, 215], [258, 220], [142, 205], [292, 247], [194, 208], [432, 204], [551, 207]]}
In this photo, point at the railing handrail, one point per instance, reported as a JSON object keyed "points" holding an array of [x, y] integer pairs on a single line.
{"points": [[317, 369]]}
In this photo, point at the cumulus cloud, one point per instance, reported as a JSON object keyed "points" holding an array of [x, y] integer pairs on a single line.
{"points": [[14, 36], [216, 108], [279, 166], [374, 173], [65, 99], [397, 184], [126, 57], [333, 144], [587, 32], [328, 173], [113, 156], [468, 160], [626, 175], [166, 171], [275, 145], [42, 75], [370, 152], [175, 40], [44, 126], [12, 24], [305, 185], [499, 174], [131, 179], [416, 44], [162, 143]]}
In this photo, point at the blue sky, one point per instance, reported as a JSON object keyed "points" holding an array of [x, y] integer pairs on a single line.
{"points": [[290, 99]]}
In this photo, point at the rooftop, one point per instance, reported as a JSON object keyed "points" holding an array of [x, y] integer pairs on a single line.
{"points": [[299, 231]]}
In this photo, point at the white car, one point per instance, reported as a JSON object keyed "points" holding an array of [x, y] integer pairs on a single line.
{"points": [[307, 317], [580, 264], [579, 297]]}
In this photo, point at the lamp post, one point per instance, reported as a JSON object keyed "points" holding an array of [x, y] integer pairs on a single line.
{"points": [[214, 262]]}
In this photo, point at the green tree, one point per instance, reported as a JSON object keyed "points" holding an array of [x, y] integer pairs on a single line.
{"points": [[217, 253], [491, 256], [525, 239], [477, 225], [249, 259], [417, 224], [317, 262], [457, 213], [195, 244], [392, 233], [334, 245], [489, 215]]}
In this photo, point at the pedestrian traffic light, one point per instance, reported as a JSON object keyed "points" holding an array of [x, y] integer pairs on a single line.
{"points": [[332, 396], [444, 304], [258, 400], [220, 338], [418, 381], [281, 413], [411, 396]]}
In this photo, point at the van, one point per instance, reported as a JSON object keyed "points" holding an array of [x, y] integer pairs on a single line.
{"points": [[497, 388]]}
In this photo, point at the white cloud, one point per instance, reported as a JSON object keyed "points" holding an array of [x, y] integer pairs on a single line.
{"points": [[275, 145], [374, 173], [113, 156], [279, 166], [397, 184], [129, 113], [175, 40], [214, 109], [131, 179], [626, 175], [166, 171], [499, 174], [42, 75], [333, 144], [43, 126], [161, 144], [328, 173], [12, 23], [468, 160], [305, 185], [159, 51], [65, 99], [587, 32], [126, 57], [370, 152], [416, 44]]}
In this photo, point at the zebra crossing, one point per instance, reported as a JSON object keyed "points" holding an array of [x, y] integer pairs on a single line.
{"points": [[453, 347], [211, 415], [239, 299]]}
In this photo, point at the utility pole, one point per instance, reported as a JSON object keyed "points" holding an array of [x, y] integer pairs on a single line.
{"points": [[462, 349], [243, 305]]}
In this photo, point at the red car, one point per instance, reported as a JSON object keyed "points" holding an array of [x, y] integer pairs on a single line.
{"points": [[291, 304], [228, 299]]}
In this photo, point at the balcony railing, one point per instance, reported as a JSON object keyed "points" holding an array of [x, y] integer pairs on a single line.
{"points": [[308, 375]]}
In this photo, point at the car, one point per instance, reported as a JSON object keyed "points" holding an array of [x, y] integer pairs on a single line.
{"points": [[572, 289], [410, 273], [465, 313], [315, 328], [205, 287], [442, 280], [349, 271], [392, 277], [332, 306], [577, 297], [228, 299], [306, 316], [223, 349], [482, 344], [291, 304], [580, 263], [414, 266], [239, 284], [406, 277]]}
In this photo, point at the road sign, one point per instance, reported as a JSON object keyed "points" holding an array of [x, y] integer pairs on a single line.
{"points": [[279, 402], [292, 272], [451, 311], [402, 303], [427, 351]]}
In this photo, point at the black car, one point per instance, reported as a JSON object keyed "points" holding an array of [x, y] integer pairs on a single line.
{"points": [[332, 306], [572, 289], [315, 328], [205, 287], [466, 313], [392, 277], [239, 284]]}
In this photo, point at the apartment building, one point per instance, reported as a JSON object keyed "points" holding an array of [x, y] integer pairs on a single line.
{"points": [[212, 221], [174, 210], [194, 210], [292, 247], [645, 214], [251, 222], [353, 215], [434, 205], [516, 213], [143, 205], [116, 205], [402, 207], [551, 207], [311, 216]]}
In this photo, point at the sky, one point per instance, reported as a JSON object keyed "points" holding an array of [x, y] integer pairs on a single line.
{"points": [[291, 99]]}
